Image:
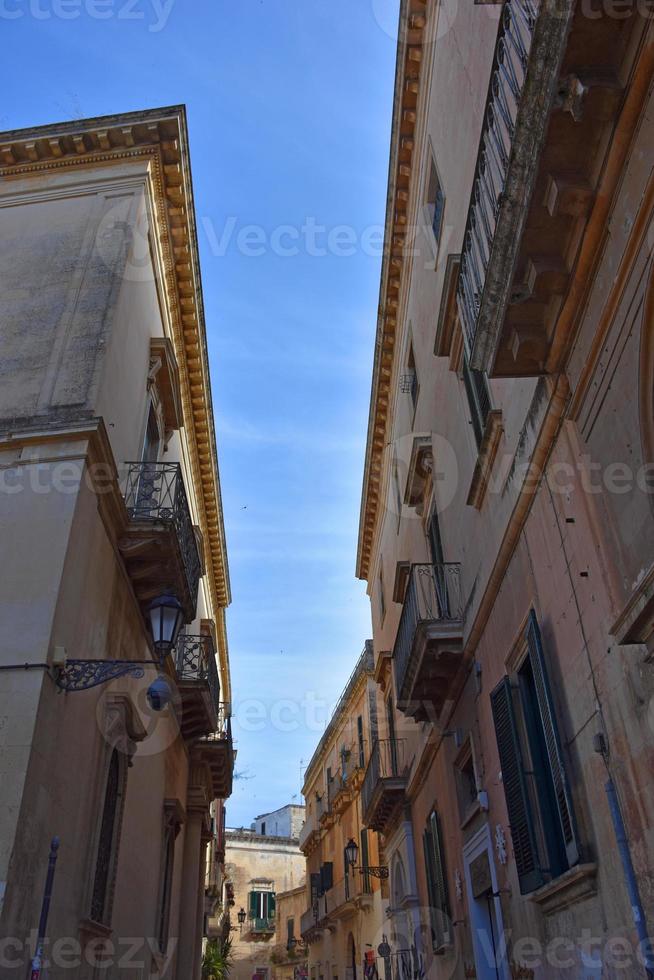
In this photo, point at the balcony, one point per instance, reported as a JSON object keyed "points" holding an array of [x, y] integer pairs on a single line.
{"points": [[260, 928], [553, 100], [217, 751], [349, 896], [427, 654], [159, 545], [309, 836], [384, 784], [309, 924], [198, 683], [324, 810]]}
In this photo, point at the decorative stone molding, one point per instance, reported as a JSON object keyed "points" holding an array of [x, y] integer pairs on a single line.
{"points": [[487, 452], [407, 92], [575, 885], [163, 375], [420, 469], [123, 729], [448, 315]]}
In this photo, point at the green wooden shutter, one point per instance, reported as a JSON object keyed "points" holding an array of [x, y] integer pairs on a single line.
{"points": [[362, 754], [552, 741], [272, 906], [326, 876], [521, 820], [365, 861], [437, 881], [443, 898], [253, 902]]}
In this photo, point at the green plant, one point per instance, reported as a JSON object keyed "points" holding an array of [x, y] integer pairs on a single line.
{"points": [[217, 961]]}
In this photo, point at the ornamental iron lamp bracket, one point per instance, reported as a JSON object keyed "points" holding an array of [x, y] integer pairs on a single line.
{"points": [[377, 871], [81, 675], [351, 852], [165, 616]]}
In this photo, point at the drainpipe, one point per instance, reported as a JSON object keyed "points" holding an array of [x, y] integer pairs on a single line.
{"points": [[630, 879]]}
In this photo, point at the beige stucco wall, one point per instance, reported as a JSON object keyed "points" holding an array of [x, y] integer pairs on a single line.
{"points": [[582, 555], [80, 304], [249, 856]]}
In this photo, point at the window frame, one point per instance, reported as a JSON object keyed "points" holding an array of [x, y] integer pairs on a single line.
{"points": [[440, 908], [534, 772]]}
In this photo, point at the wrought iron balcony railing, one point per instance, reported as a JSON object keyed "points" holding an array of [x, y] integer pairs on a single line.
{"points": [[261, 925], [385, 771], [509, 71], [155, 494], [195, 660], [433, 595]]}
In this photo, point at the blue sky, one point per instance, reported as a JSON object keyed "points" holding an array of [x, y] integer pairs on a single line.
{"points": [[289, 105]]}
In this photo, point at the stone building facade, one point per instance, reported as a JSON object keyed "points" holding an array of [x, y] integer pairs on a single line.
{"points": [[289, 957], [110, 499], [343, 919], [285, 822], [506, 525], [258, 867]]}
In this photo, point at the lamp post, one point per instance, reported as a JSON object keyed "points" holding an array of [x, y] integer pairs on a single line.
{"points": [[352, 856], [166, 617]]}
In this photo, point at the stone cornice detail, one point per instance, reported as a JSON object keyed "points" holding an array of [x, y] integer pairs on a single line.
{"points": [[160, 137], [411, 46]]}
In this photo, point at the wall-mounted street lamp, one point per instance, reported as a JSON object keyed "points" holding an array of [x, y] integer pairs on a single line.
{"points": [[166, 618], [352, 856], [241, 916]]}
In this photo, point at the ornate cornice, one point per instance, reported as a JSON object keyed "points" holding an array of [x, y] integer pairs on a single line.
{"points": [[407, 87], [160, 137]]}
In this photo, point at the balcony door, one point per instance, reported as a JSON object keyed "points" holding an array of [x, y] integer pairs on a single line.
{"points": [[148, 485], [438, 561], [392, 741]]}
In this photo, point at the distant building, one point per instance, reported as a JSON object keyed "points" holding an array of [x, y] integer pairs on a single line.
{"points": [[258, 867], [285, 822], [343, 916], [290, 953]]}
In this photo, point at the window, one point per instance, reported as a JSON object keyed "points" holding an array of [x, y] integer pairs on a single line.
{"points": [[263, 828], [107, 852], [479, 401], [538, 799], [435, 204], [411, 378], [398, 492], [262, 906], [439, 903], [466, 780], [326, 877], [152, 440], [290, 931], [382, 600], [360, 743]]}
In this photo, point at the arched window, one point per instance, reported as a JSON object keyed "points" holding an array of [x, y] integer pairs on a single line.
{"points": [[105, 863]]}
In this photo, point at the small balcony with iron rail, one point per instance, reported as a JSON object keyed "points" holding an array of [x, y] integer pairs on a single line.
{"points": [[216, 749], [554, 96], [309, 834], [428, 649], [350, 895], [384, 785], [198, 684], [159, 543]]}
